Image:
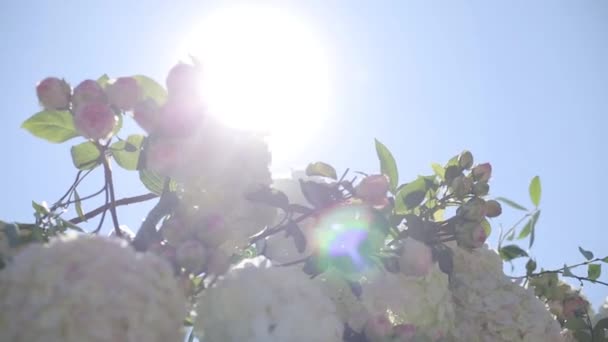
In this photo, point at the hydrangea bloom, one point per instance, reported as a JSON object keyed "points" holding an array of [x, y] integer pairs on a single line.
{"points": [[267, 304], [423, 301], [490, 307], [89, 289]]}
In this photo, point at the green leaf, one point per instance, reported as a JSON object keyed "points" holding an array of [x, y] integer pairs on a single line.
{"points": [[78, 205], [51, 125], [511, 203], [151, 89], [155, 182], [575, 324], [605, 259], [529, 227], [587, 254], [530, 266], [535, 191], [388, 166], [566, 272], [439, 170], [126, 152], [594, 271], [410, 196], [85, 156], [321, 169], [103, 80], [39, 208], [510, 252]]}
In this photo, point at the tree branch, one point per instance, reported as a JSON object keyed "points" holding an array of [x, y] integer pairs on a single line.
{"points": [[118, 203]]}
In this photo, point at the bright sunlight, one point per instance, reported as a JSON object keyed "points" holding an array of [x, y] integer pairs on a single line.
{"points": [[264, 70]]}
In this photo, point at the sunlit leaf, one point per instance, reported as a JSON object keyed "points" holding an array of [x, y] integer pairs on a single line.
{"points": [[321, 169], [410, 196], [155, 182], [594, 271], [50, 125], [388, 166], [535, 191], [151, 89], [126, 152], [103, 80], [268, 196], [78, 205], [439, 170], [85, 156]]}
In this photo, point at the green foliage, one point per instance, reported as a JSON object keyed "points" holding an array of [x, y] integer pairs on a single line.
{"points": [[155, 182], [151, 89], [587, 254], [50, 125], [594, 271], [103, 80], [535, 191], [511, 252], [530, 228], [127, 152], [85, 156], [321, 169], [410, 195], [511, 203], [388, 166], [78, 204]]}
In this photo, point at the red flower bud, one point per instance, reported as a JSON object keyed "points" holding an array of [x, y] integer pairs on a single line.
{"points": [[493, 208], [53, 93], [373, 189], [124, 93], [95, 120], [88, 91], [482, 172]]}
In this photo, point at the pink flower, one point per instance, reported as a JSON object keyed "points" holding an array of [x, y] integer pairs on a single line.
{"points": [[493, 208], [404, 332], [163, 157], [574, 306], [417, 258], [373, 189], [378, 329], [124, 93], [95, 120], [53, 93], [178, 119], [479, 236], [88, 91], [146, 115], [482, 172], [471, 235], [184, 80]]}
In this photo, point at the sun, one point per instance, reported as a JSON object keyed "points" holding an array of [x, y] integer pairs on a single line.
{"points": [[264, 70]]}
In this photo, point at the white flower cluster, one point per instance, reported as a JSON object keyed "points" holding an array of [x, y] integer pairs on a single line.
{"points": [[89, 289], [490, 307], [267, 304], [422, 301]]}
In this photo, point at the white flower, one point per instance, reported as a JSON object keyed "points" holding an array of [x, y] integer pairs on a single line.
{"points": [[89, 288], [422, 301], [490, 307], [267, 304]]}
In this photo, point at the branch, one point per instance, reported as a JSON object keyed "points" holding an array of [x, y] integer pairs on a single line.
{"points": [[118, 203], [147, 233], [110, 184]]}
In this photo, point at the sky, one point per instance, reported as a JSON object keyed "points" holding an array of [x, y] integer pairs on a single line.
{"points": [[521, 84]]}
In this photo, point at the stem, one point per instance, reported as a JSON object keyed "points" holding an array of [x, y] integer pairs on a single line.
{"points": [[561, 271], [110, 184], [118, 203], [147, 233]]}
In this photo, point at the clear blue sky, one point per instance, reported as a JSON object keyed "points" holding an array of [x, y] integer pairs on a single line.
{"points": [[522, 84]]}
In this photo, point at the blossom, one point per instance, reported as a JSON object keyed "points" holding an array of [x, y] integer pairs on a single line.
{"points": [[425, 302], [417, 258], [266, 304], [490, 307], [146, 115], [482, 172], [88, 91], [89, 288], [123, 93], [373, 189], [493, 208], [94, 120], [53, 93], [470, 235]]}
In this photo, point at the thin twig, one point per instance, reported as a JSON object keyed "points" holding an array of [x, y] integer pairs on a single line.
{"points": [[110, 184], [117, 203]]}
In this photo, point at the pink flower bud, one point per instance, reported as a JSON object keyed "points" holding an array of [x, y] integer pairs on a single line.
{"points": [[481, 189], [378, 329], [461, 186], [146, 115], [574, 306], [417, 258], [88, 91], [163, 157], [473, 210], [373, 189], [493, 208], [191, 255], [404, 332], [179, 119], [470, 235], [95, 120], [184, 80], [482, 172], [465, 161], [123, 93], [53, 94]]}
